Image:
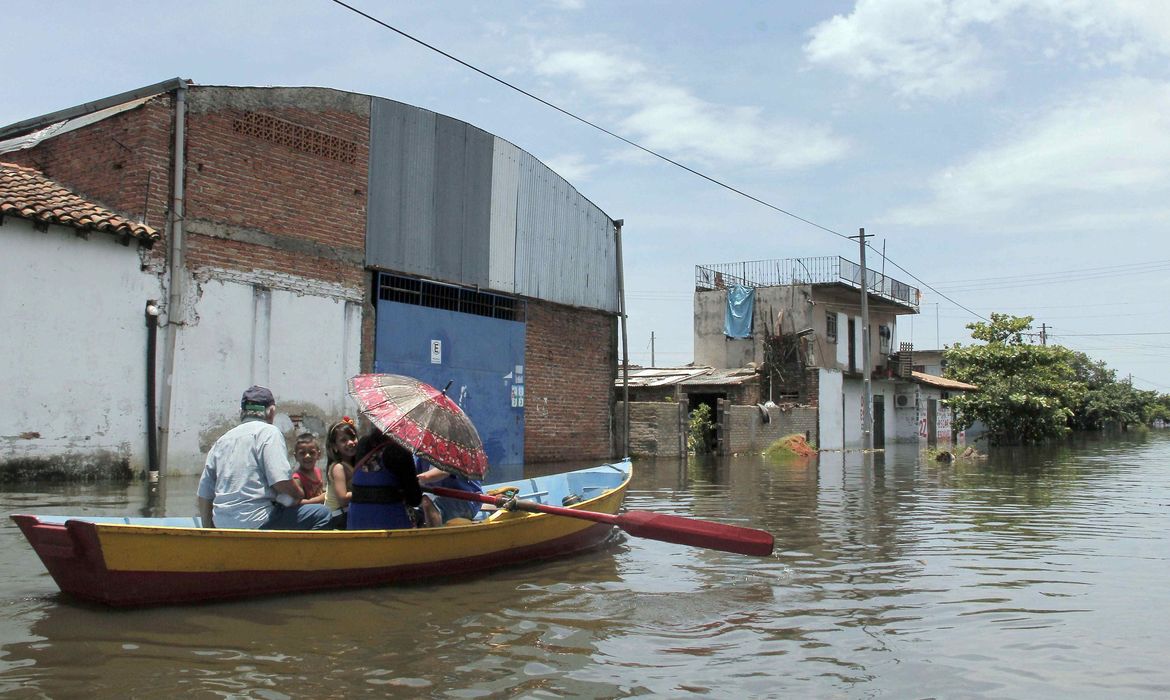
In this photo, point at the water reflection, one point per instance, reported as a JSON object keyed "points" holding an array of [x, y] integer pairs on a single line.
{"points": [[1033, 573]]}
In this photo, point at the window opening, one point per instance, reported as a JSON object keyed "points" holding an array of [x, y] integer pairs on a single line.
{"points": [[409, 290]]}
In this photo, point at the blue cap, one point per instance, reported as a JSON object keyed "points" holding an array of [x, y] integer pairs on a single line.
{"points": [[257, 398]]}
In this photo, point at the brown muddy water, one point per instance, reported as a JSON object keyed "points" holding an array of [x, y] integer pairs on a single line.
{"points": [[1033, 574]]}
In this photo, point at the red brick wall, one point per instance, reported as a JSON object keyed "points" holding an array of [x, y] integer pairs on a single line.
{"points": [[570, 365], [112, 161], [242, 180]]}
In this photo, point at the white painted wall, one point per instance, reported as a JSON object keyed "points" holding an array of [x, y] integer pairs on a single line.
{"points": [[830, 417], [303, 347], [906, 417], [73, 345], [842, 340]]}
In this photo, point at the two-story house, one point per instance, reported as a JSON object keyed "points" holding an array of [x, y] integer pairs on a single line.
{"points": [[800, 321]]}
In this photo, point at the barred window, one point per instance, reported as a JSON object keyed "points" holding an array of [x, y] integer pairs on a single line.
{"points": [[831, 326], [409, 290]]}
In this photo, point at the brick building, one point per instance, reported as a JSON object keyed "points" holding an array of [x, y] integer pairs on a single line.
{"points": [[310, 234]]}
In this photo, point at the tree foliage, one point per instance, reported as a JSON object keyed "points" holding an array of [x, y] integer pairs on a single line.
{"points": [[1033, 393]]}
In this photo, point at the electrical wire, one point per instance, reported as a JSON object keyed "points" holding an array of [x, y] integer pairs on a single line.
{"points": [[639, 146]]}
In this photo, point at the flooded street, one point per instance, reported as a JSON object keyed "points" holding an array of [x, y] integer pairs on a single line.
{"points": [[1031, 574]]}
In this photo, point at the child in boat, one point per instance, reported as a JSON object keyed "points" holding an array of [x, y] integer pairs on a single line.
{"points": [[306, 451], [340, 450], [438, 509]]}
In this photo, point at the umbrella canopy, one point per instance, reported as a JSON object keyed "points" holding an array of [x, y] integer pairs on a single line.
{"points": [[422, 419]]}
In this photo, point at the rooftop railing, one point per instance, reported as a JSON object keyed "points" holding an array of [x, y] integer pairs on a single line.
{"points": [[821, 270]]}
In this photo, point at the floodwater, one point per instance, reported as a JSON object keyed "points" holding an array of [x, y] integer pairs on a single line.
{"points": [[1031, 574]]}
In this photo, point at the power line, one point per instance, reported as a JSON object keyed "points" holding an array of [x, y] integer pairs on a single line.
{"points": [[1089, 335], [639, 146], [585, 121], [1159, 264]]}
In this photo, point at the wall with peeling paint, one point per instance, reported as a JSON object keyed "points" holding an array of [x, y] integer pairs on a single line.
{"points": [[239, 332], [74, 354]]}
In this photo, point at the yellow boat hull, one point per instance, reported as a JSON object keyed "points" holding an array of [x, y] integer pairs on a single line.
{"points": [[142, 564]]}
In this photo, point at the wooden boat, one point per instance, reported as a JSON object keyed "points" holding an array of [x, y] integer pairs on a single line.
{"points": [[149, 561]]}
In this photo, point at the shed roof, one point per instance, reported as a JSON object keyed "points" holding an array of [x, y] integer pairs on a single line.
{"points": [[690, 375], [26, 193], [942, 383]]}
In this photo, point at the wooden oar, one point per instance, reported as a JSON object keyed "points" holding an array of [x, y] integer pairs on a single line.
{"points": [[640, 523]]}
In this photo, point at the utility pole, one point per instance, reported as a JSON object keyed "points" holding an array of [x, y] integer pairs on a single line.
{"points": [[651, 348], [867, 393], [1044, 334], [621, 282]]}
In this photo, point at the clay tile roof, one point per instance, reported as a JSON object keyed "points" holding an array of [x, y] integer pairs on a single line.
{"points": [[26, 193]]}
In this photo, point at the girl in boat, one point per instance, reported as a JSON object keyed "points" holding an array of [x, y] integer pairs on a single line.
{"points": [[340, 449]]}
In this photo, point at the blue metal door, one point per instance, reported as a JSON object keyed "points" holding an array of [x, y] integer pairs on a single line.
{"points": [[481, 357]]}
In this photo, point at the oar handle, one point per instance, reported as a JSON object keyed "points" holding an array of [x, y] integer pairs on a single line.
{"points": [[655, 526], [519, 504]]}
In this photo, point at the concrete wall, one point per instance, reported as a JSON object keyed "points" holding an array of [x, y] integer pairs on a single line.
{"points": [[303, 346], [656, 428], [74, 349], [831, 411], [712, 347], [746, 431], [840, 411], [906, 417]]}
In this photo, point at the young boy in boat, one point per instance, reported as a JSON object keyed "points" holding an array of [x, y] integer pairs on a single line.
{"points": [[308, 474]]}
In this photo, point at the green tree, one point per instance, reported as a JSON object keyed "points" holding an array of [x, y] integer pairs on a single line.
{"points": [[1107, 402], [1026, 392]]}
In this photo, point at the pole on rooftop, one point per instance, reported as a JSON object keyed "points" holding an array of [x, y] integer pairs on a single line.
{"points": [[621, 282]]}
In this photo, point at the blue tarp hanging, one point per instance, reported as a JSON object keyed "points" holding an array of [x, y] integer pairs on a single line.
{"points": [[737, 322]]}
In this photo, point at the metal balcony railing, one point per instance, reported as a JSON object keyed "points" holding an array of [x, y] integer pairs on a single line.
{"points": [[821, 270]]}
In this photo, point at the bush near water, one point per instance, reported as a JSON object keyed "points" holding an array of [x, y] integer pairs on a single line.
{"points": [[791, 445]]}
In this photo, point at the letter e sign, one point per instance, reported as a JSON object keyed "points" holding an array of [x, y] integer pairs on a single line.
{"points": [[436, 352]]}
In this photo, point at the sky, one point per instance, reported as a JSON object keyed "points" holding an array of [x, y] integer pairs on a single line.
{"points": [[1008, 156]]}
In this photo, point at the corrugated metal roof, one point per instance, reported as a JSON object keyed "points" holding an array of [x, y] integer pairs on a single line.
{"points": [[484, 212], [690, 376], [942, 383], [29, 140], [26, 193]]}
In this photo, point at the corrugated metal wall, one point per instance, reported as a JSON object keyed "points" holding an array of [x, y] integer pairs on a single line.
{"points": [[453, 203]]}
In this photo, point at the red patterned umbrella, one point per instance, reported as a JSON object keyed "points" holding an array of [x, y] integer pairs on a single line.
{"points": [[422, 419]]}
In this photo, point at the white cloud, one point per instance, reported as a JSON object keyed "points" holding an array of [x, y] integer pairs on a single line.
{"points": [[1099, 159], [921, 46], [571, 166], [945, 48], [670, 119]]}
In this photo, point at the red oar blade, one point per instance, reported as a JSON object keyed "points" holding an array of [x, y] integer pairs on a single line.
{"points": [[696, 533]]}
